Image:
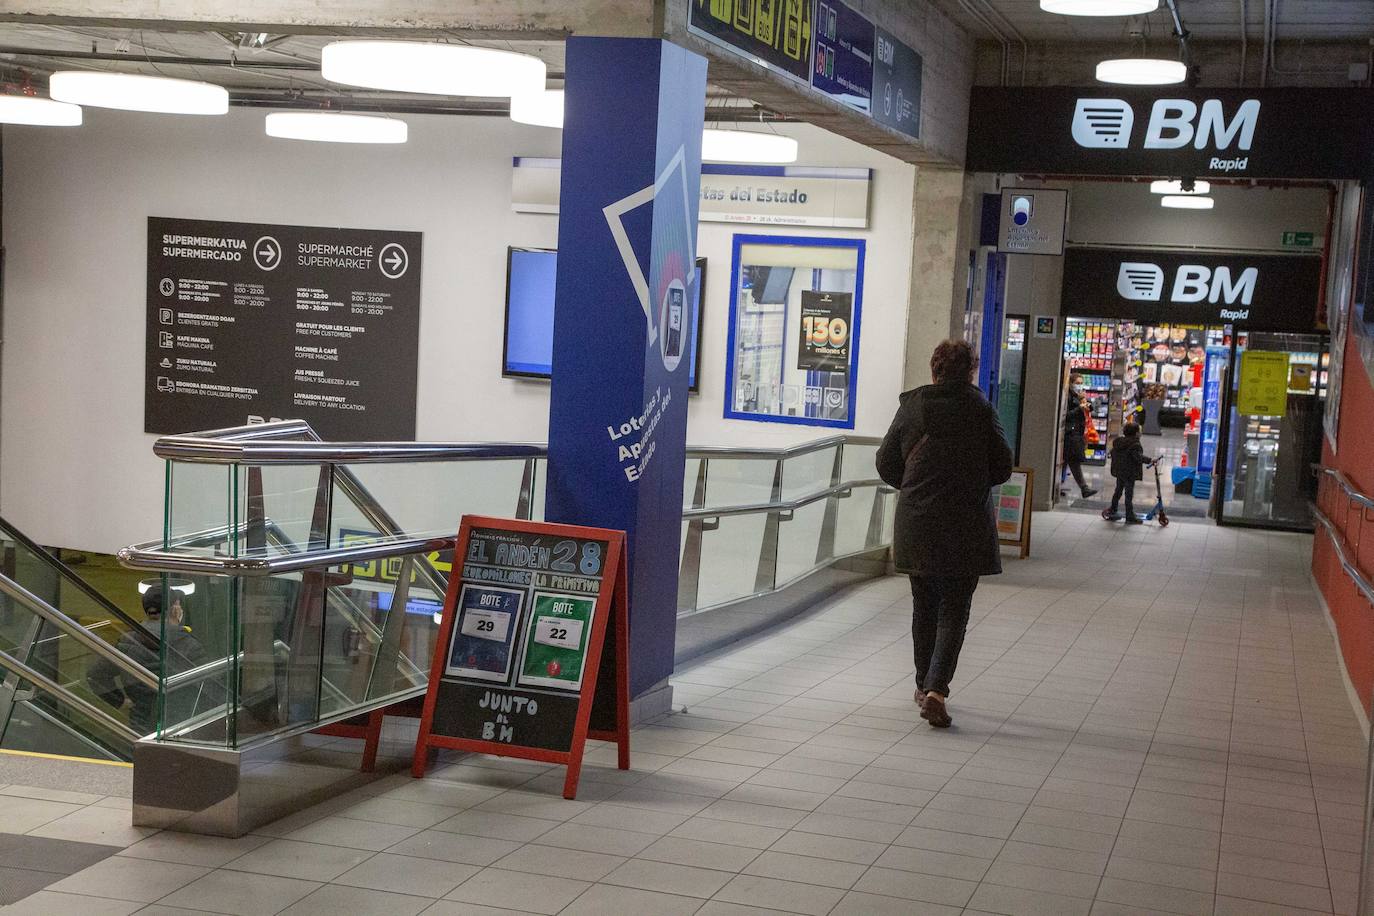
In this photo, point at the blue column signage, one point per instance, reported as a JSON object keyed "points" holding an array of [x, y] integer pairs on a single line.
{"points": [[896, 85], [628, 204], [843, 58]]}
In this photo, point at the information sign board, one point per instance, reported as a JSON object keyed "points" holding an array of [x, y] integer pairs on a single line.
{"points": [[1012, 505], [842, 62], [1263, 384], [896, 84], [249, 322], [532, 655], [775, 33]]}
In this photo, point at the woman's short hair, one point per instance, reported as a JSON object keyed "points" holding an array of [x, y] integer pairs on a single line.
{"points": [[953, 360]]}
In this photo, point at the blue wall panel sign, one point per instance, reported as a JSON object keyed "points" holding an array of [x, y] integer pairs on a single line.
{"points": [[776, 33], [842, 62], [628, 205], [896, 85]]}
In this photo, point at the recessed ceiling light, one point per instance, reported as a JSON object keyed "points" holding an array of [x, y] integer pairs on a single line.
{"points": [[1142, 71], [136, 92], [542, 109], [1176, 187], [335, 127], [1099, 7], [1187, 202], [27, 109], [434, 69], [746, 146]]}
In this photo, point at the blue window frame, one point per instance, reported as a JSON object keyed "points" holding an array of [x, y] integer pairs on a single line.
{"points": [[771, 374]]}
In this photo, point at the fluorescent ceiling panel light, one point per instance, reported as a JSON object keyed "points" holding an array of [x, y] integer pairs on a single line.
{"points": [[433, 69], [136, 92], [1141, 71], [542, 109], [26, 109], [1099, 7], [334, 127], [746, 146], [1187, 202], [1176, 187]]}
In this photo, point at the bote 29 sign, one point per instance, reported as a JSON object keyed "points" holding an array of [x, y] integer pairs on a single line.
{"points": [[825, 320]]}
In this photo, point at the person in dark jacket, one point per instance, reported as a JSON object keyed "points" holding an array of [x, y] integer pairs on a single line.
{"points": [[1075, 434], [184, 652], [1128, 457], [944, 453]]}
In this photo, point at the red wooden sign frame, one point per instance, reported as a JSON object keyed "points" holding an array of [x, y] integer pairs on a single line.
{"points": [[612, 599]]}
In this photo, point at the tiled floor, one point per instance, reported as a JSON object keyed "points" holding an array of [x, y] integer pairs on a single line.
{"points": [[1146, 721]]}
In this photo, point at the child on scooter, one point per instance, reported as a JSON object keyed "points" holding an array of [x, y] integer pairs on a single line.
{"points": [[1128, 457]]}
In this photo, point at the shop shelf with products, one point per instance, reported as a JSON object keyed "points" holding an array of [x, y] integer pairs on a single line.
{"points": [[1090, 348]]}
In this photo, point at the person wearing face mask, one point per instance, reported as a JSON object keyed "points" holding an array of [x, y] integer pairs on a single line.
{"points": [[1075, 434]]}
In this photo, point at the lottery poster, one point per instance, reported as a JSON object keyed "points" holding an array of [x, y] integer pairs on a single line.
{"points": [[484, 638]]}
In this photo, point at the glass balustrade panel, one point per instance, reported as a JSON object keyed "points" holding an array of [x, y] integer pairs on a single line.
{"points": [[739, 482], [799, 541], [853, 518], [730, 560], [199, 508], [805, 474], [430, 498], [858, 462]]}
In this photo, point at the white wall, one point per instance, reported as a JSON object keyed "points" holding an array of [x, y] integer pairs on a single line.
{"points": [[75, 467]]}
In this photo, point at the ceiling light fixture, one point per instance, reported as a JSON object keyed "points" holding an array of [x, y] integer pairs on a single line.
{"points": [[1187, 202], [1176, 187], [136, 92], [746, 146], [542, 109], [28, 109], [433, 69], [1142, 71], [1099, 7], [335, 127]]}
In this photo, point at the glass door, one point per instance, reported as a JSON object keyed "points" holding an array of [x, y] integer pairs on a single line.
{"points": [[1271, 433], [1011, 380]]}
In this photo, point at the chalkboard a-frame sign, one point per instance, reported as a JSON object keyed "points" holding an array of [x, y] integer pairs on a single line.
{"points": [[532, 656]]}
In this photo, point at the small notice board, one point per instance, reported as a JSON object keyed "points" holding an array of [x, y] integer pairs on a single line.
{"points": [[1263, 384], [532, 655], [1013, 507]]}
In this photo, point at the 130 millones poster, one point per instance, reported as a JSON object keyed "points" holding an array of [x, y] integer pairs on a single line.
{"points": [[825, 322]]}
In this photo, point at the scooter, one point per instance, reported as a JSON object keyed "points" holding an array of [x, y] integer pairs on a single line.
{"points": [[1156, 511]]}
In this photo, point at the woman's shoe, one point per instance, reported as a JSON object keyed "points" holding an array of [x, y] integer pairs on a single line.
{"points": [[933, 711]]}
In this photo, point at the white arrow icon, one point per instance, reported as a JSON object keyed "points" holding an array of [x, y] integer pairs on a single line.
{"points": [[393, 261], [267, 253]]}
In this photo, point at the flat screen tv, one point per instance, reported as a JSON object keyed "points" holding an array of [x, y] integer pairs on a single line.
{"points": [[530, 277]]}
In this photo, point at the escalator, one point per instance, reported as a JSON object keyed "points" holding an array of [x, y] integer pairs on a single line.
{"points": [[65, 685]]}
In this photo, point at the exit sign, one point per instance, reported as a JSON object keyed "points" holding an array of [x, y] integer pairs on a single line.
{"points": [[1298, 239]]}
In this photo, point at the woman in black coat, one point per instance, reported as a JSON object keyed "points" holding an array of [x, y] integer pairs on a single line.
{"points": [[944, 452]]}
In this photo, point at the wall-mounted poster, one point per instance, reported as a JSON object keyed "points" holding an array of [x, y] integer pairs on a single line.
{"points": [[795, 309], [825, 321], [249, 322], [843, 65]]}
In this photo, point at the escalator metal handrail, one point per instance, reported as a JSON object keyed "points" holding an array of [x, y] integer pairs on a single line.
{"points": [[51, 687], [259, 452], [150, 558], [69, 575], [76, 631], [790, 505]]}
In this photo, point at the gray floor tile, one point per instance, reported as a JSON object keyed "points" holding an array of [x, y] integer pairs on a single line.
{"points": [[533, 893], [129, 879], [294, 859], [334, 899], [234, 893]]}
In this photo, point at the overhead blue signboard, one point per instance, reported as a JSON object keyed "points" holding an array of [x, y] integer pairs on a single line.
{"points": [[842, 62], [896, 85], [776, 33]]}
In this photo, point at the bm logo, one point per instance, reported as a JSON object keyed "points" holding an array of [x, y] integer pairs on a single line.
{"points": [[1144, 282], [1173, 124]]}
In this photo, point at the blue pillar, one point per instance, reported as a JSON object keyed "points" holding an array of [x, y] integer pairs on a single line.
{"points": [[626, 248]]}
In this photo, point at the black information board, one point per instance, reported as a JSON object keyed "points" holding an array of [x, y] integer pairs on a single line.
{"points": [[250, 322], [530, 652], [896, 84], [771, 32]]}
